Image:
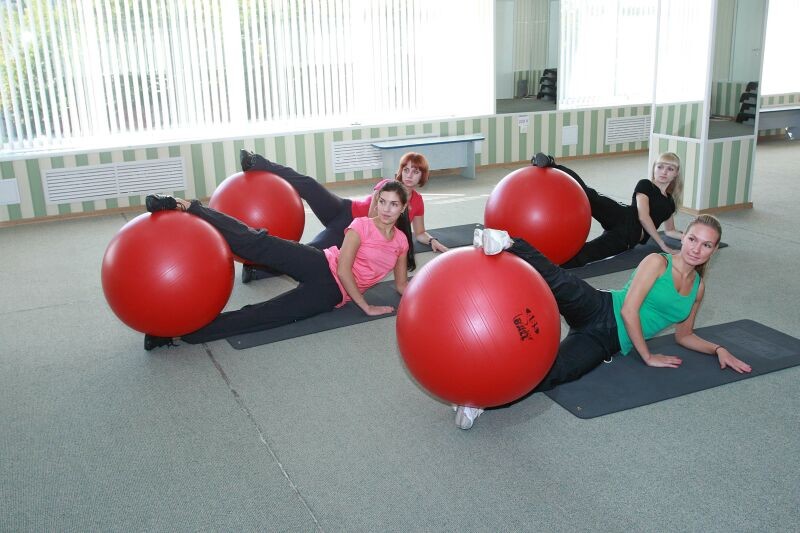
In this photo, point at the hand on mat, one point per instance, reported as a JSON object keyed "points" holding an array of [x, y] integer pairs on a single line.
{"points": [[663, 361], [727, 360], [375, 310], [436, 246]]}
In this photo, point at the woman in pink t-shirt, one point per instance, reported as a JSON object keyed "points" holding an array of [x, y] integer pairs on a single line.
{"points": [[371, 248], [336, 213]]}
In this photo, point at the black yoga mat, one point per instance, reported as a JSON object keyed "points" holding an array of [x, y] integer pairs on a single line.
{"points": [[627, 260], [452, 237], [627, 382], [383, 293]]}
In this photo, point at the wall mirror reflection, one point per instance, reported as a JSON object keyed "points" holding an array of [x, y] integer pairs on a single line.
{"points": [[681, 72], [526, 55], [737, 64]]}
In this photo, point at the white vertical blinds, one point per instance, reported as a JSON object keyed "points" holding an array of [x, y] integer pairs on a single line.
{"points": [[81, 71], [608, 52], [531, 35], [780, 48], [683, 51]]}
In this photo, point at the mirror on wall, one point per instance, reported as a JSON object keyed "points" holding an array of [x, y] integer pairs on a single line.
{"points": [[681, 81], [526, 55], [736, 66]]}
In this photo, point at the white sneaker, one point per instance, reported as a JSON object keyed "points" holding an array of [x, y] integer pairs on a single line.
{"points": [[477, 238], [495, 241], [465, 416]]}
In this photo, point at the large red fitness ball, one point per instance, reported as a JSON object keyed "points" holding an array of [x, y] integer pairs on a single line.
{"points": [[261, 200], [478, 330], [544, 206], [167, 273]]}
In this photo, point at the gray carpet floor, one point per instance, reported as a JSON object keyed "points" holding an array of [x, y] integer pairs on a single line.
{"points": [[328, 432]]}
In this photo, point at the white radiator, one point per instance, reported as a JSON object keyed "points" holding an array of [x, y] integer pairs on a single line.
{"points": [[112, 180], [361, 155], [627, 129]]}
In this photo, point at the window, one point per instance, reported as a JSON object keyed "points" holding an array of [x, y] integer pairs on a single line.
{"points": [[684, 41], [90, 73], [779, 77], [608, 52]]}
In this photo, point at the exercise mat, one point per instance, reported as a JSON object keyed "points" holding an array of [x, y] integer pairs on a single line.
{"points": [[627, 382], [383, 293], [452, 237], [627, 260]]}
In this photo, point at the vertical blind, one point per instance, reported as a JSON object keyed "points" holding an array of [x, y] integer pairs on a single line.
{"points": [[531, 35], [780, 48], [608, 52], [683, 51], [74, 71]]}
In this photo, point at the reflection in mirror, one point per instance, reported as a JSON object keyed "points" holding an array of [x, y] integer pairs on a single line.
{"points": [[681, 72], [737, 63], [526, 55]]}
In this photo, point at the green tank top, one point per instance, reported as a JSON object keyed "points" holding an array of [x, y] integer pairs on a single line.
{"points": [[662, 307]]}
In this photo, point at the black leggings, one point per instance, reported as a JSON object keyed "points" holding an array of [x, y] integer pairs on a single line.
{"points": [[316, 292], [589, 312], [334, 212], [620, 222]]}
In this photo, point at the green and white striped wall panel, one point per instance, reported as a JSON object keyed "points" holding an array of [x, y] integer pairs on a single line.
{"points": [[721, 177], [681, 120], [207, 164]]}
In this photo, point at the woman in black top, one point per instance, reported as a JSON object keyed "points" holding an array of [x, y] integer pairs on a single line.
{"points": [[624, 226]]}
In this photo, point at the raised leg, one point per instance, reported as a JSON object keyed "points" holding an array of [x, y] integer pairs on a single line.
{"points": [[325, 205], [608, 244], [578, 302], [297, 260]]}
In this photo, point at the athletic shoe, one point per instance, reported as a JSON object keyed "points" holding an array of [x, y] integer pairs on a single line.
{"points": [[543, 161], [246, 159], [248, 273], [477, 238], [252, 161], [465, 416], [495, 241], [159, 202], [151, 341]]}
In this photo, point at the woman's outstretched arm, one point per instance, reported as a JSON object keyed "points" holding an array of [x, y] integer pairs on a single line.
{"points": [[424, 237], [686, 337]]}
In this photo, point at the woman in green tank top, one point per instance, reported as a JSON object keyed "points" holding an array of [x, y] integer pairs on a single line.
{"points": [[665, 290]]}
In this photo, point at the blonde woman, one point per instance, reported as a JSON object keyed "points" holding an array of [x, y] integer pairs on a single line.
{"points": [[654, 203]]}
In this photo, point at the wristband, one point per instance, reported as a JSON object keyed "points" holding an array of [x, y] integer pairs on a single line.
{"points": [[717, 349], [430, 242]]}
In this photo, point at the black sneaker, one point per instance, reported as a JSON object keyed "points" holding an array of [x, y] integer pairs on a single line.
{"points": [[159, 202], [543, 161], [246, 159], [151, 341], [248, 273]]}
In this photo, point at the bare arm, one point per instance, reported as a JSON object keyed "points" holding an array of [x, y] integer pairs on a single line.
{"points": [[344, 270], [418, 225], [401, 273], [649, 270], [373, 205], [643, 209], [686, 337], [669, 228]]}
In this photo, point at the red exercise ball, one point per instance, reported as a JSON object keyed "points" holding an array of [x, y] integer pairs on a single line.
{"points": [[544, 206], [261, 200], [478, 330], [167, 273]]}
